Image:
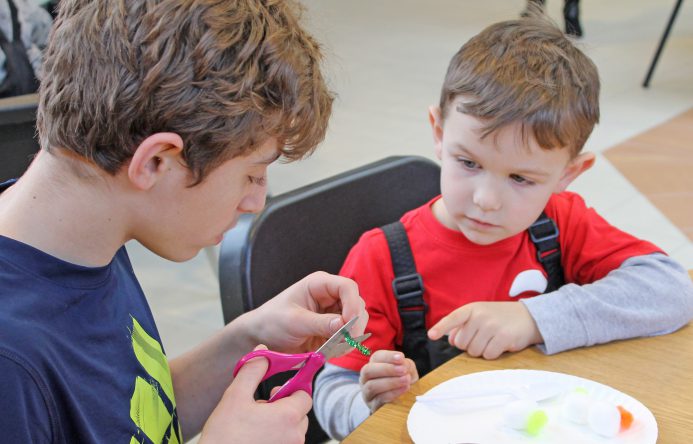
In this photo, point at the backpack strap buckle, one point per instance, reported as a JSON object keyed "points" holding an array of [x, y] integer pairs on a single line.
{"points": [[544, 234], [408, 291], [543, 230]]}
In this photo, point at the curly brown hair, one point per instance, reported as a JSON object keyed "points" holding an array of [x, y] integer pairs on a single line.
{"points": [[526, 71], [223, 74]]}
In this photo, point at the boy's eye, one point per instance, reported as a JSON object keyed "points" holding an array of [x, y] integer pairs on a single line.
{"points": [[521, 180], [469, 164], [255, 180]]}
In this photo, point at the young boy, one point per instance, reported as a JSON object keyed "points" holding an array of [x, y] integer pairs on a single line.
{"points": [[157, 121], [518, 103]]}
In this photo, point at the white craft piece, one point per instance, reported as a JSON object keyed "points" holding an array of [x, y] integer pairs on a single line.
{"points": [[604, 419], [575, 406], [515, 413]]}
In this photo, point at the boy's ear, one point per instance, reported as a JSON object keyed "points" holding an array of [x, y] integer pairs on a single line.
{"points": [[435, 117], [153, 157], [575, 167]]}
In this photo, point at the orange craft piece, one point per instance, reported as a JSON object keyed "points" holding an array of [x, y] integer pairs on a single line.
{"points": [[626, 417]]}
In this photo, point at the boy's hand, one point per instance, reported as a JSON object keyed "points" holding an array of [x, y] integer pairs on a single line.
{"points": [[387, 375], [303, 316], [240, 418], [488, 328]]}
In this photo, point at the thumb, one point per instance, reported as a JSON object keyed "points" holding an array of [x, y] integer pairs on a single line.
{"points": [[455, 319], [315, 324], [249, 376]]}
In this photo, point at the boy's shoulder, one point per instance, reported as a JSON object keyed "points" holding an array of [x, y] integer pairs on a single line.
{"points": [[376, 235], [565, 198], [565, 203]]}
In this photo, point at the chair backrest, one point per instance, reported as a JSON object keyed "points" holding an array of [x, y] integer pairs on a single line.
{"points": [[18, 142], [314, 227]]}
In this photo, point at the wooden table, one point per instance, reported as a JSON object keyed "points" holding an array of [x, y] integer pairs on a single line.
{"points": [[656, 371]]}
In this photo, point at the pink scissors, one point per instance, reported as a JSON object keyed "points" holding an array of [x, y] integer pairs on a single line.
{"points": [[307, 364]]}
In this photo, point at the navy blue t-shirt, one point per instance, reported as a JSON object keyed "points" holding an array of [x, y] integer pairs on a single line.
{"points": [[81, 360]]}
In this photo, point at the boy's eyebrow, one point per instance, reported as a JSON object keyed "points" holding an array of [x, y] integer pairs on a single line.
{"points": [[464, 149], [532, 173]]}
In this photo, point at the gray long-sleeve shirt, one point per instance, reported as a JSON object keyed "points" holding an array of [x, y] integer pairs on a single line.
{"points": [[646, 296]]}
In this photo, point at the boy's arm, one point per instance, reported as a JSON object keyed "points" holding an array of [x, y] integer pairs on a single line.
{"points": [[647, 295], [201, 375], [299, 319], [337, 401]]}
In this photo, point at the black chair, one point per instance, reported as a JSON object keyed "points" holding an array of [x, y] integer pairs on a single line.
{"points": [[18, 142], [660, 46], [313, 228]]}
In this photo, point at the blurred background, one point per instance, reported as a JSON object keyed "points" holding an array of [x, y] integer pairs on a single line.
{"points": [[386, 60]]}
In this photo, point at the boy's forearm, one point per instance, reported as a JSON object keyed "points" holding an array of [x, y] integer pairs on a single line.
{"points": [[647, 295], [201, 375], [337, 401]]}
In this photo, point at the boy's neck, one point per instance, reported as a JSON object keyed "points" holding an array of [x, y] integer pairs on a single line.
{"points": [[81, 220]]}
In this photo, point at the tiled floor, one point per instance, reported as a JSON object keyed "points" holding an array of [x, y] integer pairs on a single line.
{"points": [[659, 162], [386, 60]]}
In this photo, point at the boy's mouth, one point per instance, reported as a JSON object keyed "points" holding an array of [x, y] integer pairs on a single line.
{"points": [[481, 223]]}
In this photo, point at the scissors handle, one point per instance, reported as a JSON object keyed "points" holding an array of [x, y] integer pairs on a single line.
{"points": [[303, 379], [276, 362], [282, 362]]}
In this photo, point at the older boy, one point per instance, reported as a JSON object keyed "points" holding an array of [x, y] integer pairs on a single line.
{"points": [[157, 121], [517, 105]]}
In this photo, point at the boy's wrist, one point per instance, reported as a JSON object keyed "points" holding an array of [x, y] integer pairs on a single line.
{"points": [[534, 336], [242, 334]]}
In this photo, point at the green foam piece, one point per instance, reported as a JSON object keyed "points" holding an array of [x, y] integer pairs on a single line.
{"points": [[536, 421]]}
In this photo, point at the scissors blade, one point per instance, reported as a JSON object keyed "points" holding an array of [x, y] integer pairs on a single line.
{"points": [[337, 337], [336, 346]]}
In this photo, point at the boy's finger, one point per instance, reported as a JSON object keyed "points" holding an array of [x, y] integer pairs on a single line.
{"points": [[249, 376], [411, 369], [327, 290], [375, 371], [463, 337], [387, 356], [455, 319], [477, 346], [298, 402], [391, 395], [304, 425], [495, 348], [378, 387]]}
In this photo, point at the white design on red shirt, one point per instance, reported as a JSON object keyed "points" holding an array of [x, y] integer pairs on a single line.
{"points": [[528, 280]]}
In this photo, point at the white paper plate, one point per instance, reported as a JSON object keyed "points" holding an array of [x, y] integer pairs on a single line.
{"points": [[429, 424]]}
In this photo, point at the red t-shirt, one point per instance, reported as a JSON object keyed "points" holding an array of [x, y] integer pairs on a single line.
{"points": [[456, 271]]}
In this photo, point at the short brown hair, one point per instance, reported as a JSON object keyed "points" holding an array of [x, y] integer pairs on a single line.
{"points": [[223, 74], [526, 71]]}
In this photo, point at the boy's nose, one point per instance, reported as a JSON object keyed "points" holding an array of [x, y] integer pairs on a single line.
{"points": [[254, 201], [486, 198]]}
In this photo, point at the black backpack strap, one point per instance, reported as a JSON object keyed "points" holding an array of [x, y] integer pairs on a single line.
{"points": [[408, 288], [544, 235]]}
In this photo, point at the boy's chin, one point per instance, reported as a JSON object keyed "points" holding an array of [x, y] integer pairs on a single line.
{"points": [[175, 254], [481, 238]]}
